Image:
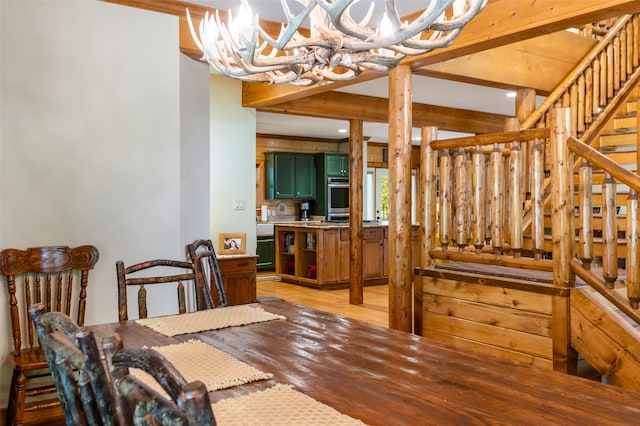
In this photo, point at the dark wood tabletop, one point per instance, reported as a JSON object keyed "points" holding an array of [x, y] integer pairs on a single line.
{"points": [[385, 377]]}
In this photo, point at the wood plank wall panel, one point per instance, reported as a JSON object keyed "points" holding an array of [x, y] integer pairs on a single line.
{"points": [[508, 323]]}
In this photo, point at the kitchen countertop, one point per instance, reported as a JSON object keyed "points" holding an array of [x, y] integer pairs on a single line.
{"points": [[323, 225]]}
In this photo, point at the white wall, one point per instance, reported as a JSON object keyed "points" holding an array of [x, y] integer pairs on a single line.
{"points": [[90, 137], [194, 156], [233, 153]]}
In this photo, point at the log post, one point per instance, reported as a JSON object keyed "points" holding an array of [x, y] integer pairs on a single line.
{"points": [[400, 267], [564, 358], [356, 222], [609, 231], [428, 183], [585, 246]]}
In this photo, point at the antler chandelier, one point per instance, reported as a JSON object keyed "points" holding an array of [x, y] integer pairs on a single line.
{"points": [[335, 47]]}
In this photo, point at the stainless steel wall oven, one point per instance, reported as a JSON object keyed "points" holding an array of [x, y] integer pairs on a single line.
{"points": [[338, 199]]}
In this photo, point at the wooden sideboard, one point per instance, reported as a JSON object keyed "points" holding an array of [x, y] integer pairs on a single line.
{"points": [[239, 277]]}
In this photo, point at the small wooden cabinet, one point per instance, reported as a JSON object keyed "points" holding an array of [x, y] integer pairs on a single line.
{"points": [[239, 277]]}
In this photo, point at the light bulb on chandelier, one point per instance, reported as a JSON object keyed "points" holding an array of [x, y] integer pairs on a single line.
{"points": [[335, 47]]}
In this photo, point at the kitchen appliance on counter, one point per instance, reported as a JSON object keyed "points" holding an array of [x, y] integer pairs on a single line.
{"points": [[304, 210], [338, 199]]}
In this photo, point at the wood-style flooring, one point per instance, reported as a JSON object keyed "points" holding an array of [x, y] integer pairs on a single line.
{"points": [[374, 310]]}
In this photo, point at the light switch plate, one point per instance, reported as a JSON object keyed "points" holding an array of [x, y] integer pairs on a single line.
{"points": [[239, 203]]}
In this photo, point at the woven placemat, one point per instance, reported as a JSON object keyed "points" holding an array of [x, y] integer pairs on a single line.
{"points": [[196, 360], [278, 406], [211, 319]]}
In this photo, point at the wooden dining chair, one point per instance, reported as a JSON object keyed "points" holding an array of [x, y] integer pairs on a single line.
{"points": [[186, 404], [208, 275], [57, 277], [80, 376], [150, 273]]}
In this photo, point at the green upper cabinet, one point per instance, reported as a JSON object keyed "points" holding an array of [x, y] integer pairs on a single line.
{"points": [[336, 165], [290, 176]]}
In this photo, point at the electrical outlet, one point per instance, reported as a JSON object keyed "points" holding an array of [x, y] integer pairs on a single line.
{"points": [[239, 203]]}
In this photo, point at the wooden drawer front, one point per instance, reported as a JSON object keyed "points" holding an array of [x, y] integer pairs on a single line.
{"points": [[344, 235], [373, 233], [235, 265]]}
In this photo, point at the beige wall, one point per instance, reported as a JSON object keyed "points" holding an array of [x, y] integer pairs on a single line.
{"points": [[233, 145]]}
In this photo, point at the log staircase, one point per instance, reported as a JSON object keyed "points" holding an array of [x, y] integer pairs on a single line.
{"points": [[508, 265]]}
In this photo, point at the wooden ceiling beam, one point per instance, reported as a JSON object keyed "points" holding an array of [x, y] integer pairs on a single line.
{"points": [[501, 22], [345, 106]]}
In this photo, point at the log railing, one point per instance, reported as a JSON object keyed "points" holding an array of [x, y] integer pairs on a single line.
{"points": [[478, 211], [474, 210]]}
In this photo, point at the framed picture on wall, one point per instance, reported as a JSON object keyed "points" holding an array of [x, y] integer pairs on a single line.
{"points": [[232, 243]]}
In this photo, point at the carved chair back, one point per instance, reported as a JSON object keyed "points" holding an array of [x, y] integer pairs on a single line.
{"points": [[57, 277], [183, 274], [79, 374], [208, 275], [183, 403]]}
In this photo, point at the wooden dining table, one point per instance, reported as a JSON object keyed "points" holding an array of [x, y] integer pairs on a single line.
{"points": [[388, 377]]}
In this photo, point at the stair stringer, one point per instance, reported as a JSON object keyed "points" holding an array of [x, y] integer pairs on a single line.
{"points": [[605, 339]]}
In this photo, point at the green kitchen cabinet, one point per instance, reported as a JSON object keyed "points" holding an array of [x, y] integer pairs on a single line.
{"points": [[290, 176], [336, 165]]}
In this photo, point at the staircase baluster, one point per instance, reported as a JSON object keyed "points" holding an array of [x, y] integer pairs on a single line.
{"points": [[585, 246], [462, 201], [506, 205], [573, 104], [479, 213], [513, 192], [445, 200], [617, 64], [609, 231], [633, 250], [623, 57], [588, 96], [497, 199], [636, 41], [604, 71], [488, 214], [596, 87], [610, 73], [537, 197], [581, 111]]}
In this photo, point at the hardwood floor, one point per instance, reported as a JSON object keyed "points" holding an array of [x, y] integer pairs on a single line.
{"points": [[374, 309]]}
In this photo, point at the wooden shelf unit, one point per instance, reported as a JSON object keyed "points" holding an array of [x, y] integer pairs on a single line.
{"points": [[319, 256]]}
